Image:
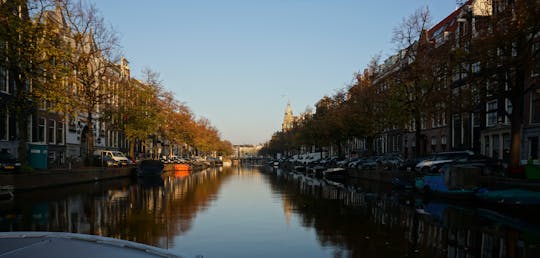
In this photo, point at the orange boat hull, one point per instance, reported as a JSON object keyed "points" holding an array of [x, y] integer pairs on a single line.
{"points": [[181, 167]]}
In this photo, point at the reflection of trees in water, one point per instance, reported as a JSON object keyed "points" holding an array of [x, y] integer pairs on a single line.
{"points": [[341, 217], [386, 224], [147, 212], [158, 214]]}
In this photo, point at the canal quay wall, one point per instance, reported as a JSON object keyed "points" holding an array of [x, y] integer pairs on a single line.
{"points": [[39, 179], [380, 175], [27, 181]]}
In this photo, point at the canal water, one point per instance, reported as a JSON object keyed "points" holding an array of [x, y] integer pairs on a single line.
{"points": [[261, 212]]}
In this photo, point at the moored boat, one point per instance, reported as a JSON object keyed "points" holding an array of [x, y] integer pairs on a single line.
{"points": [[181, 167], [59, 244], [511, 198], [455, 182], [149, 168], [6, 192], [299, 168], [336, 173]]}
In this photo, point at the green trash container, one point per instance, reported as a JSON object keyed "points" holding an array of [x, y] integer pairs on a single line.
{"points": [[38, 156], [532, 170]]}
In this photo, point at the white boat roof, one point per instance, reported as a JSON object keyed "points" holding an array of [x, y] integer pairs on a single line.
{"points": [[59, 245]]}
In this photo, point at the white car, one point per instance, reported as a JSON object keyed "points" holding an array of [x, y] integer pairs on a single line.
{"points": [[443, 157], [113, 158]]}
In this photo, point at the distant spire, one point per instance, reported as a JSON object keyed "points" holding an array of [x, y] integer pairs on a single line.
{"points": [[288, 118], [288, 109]]}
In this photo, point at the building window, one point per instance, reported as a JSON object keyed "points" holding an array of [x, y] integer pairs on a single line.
{"points": [[535, 107], [59, 133], [41, 130], [51, 132], [491, 113], [443, 143], [423, 122], [476, 67]]}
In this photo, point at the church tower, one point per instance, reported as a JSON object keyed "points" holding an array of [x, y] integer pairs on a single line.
{"points": [[288, 119]]}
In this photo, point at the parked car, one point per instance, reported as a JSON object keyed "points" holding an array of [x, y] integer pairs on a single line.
{"points": [[410, 164], [488, 165], [391, 162], [8, 163], [344, 162], [114, 158], [425, 165], [368, 163], [353, 163], [335, 161]]}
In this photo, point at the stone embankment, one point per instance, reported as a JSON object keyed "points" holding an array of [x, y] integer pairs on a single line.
{"points": [[40, 179], [53, 178]]}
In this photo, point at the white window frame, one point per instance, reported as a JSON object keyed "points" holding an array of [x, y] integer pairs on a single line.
{"points": [[42, 129], [59, 138], [51, 136]]}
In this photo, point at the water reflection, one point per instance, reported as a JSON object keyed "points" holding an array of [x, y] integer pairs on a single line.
{"points": [[149, 210], [391, 224], [191, 210]]}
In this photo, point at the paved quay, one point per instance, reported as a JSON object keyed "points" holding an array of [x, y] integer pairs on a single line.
{"points": [[40, 179]]}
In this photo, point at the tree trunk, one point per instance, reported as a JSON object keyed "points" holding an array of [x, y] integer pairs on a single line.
{"points": [[132, 149], [21, 112], [516, 117], [90, 139], [418, 137], [22, 126]]}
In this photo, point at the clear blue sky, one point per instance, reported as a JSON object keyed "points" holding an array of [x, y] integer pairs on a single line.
{"points": [[237, 63]]}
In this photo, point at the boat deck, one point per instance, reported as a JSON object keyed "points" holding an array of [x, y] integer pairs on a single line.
{"points": [[58, 245]]}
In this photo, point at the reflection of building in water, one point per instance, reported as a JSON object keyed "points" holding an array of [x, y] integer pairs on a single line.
{"points": [[443, 229], [288, 209], [146, 213]]}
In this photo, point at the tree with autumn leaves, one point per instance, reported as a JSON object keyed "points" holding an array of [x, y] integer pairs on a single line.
{"points": [[62, 54], [31, 54], [500, 57], [505, 43], [150, 110]]}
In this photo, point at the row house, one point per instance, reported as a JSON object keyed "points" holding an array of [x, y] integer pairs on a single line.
{"points": [[473, 117], [8, 123], [61, 138], [486, 127], [65, 136]]}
